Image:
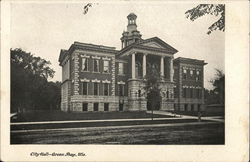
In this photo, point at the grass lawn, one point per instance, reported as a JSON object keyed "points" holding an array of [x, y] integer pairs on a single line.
{"points": [[96, 124], [64, 116], [192, 134]]}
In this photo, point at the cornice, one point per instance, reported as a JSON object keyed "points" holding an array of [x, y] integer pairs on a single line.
{"points": [[95, 49]]}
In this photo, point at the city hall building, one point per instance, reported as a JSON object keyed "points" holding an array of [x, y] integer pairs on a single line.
{"points": [[101, 78]]}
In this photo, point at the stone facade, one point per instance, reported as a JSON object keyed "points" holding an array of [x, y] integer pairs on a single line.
{"points": [[190, 84], [101, 78]]}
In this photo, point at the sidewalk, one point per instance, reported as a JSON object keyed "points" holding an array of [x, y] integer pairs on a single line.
{"points": [[211, 118]]}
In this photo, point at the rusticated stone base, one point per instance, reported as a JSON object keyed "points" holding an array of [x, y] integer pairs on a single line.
{"points": [[65, 92], [137, 105], [112, 101], [188, 107], [167, 106], [76, 106]]}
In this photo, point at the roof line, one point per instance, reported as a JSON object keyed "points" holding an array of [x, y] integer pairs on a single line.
{"points": [[94, 45]]}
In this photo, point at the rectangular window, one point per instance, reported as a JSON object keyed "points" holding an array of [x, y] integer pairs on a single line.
{"points": [[106, 89], [106, 66], [84, 64], [191, 72], [197, 72], [84, 88], [120, 68], [197, 93], [84, 106], [96, 106], [96, 87], [186, 107], [106, 106], [96, 65], [192, 107], [184, 74], [175, 107], [121, 107], [184, 92], [191, 92], [121, 89], [199, 107], [198, 77]]}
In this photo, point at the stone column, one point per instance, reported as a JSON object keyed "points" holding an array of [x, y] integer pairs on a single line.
{"points": [[144, 65], [133, 65], [162, 66], [171, 69]]}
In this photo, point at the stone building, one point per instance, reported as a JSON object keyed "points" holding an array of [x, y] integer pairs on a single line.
{"points": [[101, 78]]}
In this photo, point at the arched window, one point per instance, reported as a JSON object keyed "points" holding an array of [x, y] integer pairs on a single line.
{"points": [[139, 93]]}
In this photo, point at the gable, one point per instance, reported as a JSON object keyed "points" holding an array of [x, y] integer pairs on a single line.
{"points": [[153, 44], [156, 42]]}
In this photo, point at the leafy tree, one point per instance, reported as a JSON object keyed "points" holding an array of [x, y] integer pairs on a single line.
{"points": [[211, 9], [87, 7], [152, 88], [29, 76], [216, 95], [219, 85], [211, 97], [49, 96]]}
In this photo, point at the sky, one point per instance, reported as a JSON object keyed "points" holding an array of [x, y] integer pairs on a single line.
{"points": [[45, 28]]}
